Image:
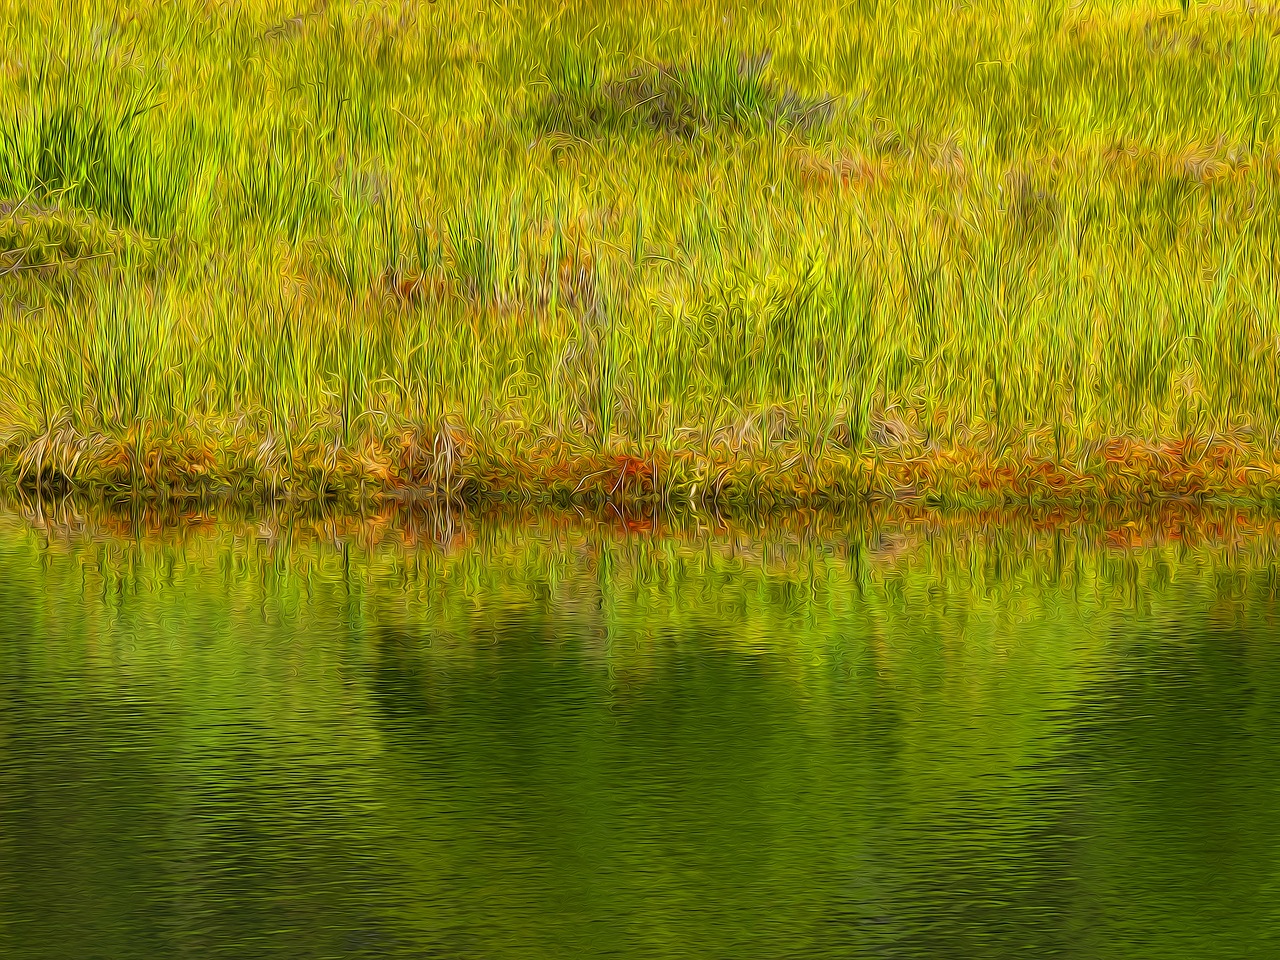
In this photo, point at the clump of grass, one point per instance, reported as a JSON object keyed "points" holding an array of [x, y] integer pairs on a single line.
{"points": [[719, 92], [83, 156], [281, 185], [472, 233], [67, 154]]}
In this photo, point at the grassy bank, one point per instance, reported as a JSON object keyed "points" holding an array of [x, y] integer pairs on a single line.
{"points": [[758, 254]]}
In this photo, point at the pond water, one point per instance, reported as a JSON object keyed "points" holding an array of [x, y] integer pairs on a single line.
{"points": [[537, 737]]}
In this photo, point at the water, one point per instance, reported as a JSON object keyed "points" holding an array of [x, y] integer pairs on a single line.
{"points": [[550, 739]]}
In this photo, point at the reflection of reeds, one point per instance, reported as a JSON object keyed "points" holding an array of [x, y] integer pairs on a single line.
{"points": [[880, 532], [425, 581], [479, 259]]}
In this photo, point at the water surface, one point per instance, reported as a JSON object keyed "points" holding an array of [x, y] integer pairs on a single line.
{"points": [[540, 738]]}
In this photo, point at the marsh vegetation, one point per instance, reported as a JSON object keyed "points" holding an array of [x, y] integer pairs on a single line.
{"points": [[764, 253]]}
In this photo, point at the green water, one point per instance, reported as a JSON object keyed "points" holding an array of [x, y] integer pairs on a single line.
{"points": [[543, 739]]}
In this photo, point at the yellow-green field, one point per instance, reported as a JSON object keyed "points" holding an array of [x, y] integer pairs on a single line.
{"points": [[761, 253]]}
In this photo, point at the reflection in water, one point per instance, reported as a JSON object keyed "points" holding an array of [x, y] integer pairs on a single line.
{"points": [[543, 739]]}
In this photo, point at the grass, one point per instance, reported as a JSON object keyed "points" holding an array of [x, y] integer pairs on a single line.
{"points": [[719, 93], [759, 254]]}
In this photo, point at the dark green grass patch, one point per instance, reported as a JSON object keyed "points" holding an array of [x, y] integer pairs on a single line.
{"points": [[70, 156], [74, 157]]}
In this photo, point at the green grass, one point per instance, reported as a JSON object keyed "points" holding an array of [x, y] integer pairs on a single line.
{"points": [[757, 248], [720, 93]]}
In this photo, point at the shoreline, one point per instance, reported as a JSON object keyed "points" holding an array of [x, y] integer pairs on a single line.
{"points": [[449, 468]]}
